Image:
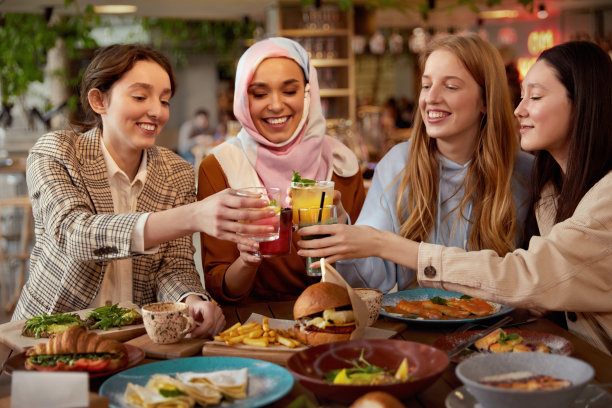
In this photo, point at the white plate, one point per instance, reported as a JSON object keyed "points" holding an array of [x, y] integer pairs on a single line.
{"points": [[591, 397]]}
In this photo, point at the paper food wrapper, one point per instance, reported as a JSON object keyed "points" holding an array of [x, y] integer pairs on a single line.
{"points": [[360, 310]]}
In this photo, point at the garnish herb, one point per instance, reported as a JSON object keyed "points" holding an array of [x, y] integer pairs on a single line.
{"points": [[438, 301], [503, 337], [361, 366], [465, 297], [298, 179]]}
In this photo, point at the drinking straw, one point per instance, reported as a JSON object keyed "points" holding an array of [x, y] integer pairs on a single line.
{"points": [[321, 207]]}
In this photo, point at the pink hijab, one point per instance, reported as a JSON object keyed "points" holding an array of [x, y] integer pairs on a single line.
{"points": [[308, 151]]}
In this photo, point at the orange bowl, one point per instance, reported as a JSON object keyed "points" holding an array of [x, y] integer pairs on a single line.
{"points": [[310, 365]]}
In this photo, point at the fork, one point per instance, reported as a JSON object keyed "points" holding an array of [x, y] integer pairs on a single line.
{"points": [[467, 326]]}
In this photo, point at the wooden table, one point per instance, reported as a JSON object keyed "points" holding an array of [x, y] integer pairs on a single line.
{"points": [[435, 395], [432, 397]]}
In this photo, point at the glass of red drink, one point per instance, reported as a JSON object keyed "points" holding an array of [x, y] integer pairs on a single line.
{"points": [[282, 245]]}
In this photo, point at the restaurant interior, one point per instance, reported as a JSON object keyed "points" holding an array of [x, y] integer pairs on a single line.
{"points": [[366, 55]]}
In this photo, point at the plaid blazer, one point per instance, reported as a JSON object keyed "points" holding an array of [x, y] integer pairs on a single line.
{"points": [[77, 232]]}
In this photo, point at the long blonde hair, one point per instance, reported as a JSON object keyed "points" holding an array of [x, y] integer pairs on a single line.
{"points": [[487, 184]]}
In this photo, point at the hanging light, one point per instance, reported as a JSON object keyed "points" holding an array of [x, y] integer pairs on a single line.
{"points": [[542, 13]]}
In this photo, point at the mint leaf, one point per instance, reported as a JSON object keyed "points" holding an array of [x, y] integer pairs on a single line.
{"points": [[298, 179]]}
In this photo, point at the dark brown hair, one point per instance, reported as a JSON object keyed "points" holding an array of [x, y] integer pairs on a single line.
{"points": [[585, 70], [107, 67]]}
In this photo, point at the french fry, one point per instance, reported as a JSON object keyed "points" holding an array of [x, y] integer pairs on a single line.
{"points": [[235, 340], [257, 335], [248, 327], [286, 342], [261, 342]]}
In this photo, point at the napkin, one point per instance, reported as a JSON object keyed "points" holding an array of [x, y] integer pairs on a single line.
{"points": [[33, 389], [360, 310]]}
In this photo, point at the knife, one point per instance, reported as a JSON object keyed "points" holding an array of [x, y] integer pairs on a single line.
{"points": [[467, 343]]}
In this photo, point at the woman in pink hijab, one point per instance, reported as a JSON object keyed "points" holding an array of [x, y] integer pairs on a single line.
{"points": [[277, 102]]}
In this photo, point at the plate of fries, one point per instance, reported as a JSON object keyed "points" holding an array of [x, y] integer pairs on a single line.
{"points": [[260, 332]]}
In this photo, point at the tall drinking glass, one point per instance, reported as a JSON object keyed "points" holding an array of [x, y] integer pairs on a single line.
{"points": [[315, 216], [272, 195], [308, 195]]}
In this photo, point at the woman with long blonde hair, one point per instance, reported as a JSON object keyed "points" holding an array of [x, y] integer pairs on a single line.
{"points": [[460, 181]]}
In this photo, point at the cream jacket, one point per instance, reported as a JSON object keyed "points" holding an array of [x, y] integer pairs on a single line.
{"points": [[568, 267]]}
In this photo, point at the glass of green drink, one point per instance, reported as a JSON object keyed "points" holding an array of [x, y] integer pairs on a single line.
{"points": [[315, 216]]}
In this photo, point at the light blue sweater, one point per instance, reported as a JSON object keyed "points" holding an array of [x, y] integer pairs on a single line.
{"points": [[379, 212]]}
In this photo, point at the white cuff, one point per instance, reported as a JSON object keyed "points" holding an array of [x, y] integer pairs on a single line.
{"points": [[138, 236]]}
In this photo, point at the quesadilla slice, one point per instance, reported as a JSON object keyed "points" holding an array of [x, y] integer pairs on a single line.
{"points": [[202, 395], [233, 383], [141, 397]]}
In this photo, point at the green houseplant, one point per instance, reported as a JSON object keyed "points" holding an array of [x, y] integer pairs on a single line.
{"points": [[25, 40]]}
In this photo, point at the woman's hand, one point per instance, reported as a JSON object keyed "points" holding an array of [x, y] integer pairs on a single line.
{"points": [[208, 316], [344, 242], [250, 254], [218, 216], [340, 211]]}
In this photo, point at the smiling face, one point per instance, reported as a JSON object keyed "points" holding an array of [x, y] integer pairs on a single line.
{"points": [[450, 101], [545, 113], [136, 108], [276, 98]]}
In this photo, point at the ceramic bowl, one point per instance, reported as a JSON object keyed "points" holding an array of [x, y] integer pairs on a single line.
{"points": [[310, 365], [373, 300], [472, 370]]}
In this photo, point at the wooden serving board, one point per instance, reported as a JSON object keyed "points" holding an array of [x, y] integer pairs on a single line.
{"points": [[185, 348], [275, 355], [279, 354], [10, 333]]}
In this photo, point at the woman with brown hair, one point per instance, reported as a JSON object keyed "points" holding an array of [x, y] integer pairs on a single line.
{"points": [[114, 213], [460, 180]]}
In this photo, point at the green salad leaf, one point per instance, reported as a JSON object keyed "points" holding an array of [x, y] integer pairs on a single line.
{"points": [[37, 325], [111, 316]]}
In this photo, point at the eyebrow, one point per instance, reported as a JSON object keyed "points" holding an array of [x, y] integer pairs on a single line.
{"points": [[149, 87], [445, 77], [532, 85], [265, 85]]}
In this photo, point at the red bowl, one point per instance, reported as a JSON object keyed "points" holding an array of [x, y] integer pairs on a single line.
{"points": [[310, 365]]}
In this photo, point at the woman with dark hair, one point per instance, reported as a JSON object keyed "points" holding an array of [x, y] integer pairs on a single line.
{"points": [[113, 213], [277, 102], [566, 115]]}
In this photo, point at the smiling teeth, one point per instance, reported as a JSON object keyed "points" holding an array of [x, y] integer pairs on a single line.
{"points": [[147, 127], [435, 115], [277, 121]]}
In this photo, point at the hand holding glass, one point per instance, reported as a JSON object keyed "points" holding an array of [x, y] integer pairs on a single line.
{"points": [[315, 216], [272, 195]]}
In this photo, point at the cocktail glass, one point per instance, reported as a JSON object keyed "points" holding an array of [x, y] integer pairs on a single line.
{"points": [[308, 195], [315, 216], [272, 194], [282, 245]]}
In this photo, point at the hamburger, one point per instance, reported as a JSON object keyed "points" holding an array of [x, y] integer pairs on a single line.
{"points": [[323, 314], [77, 349]]}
